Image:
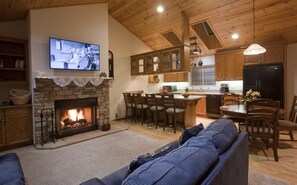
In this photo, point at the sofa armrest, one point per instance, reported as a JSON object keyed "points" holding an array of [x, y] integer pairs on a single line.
{"points": [[11, 171]]}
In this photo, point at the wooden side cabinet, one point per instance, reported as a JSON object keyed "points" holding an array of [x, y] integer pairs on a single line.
{"points": [[16, 126]]}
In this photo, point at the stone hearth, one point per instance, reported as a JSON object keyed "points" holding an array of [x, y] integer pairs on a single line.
{"points": [[47, 91]]}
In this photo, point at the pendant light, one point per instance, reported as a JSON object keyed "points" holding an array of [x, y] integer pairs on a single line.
{"points": [[255, 48]]}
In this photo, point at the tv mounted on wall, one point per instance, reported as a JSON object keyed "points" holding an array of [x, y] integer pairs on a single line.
{"points": [[72, 55]]}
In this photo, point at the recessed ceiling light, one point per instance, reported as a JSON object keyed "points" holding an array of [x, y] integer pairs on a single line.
{"points": [[160, 9], [235, 36]]}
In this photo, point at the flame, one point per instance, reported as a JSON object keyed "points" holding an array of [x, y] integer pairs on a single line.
{"points": [[75, 114]]}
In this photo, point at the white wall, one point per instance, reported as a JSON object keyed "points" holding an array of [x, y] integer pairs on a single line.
{"points": [[291, 74], [123, 44], [86, 23]]}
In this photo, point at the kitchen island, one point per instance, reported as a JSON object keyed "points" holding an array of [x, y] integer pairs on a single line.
{"points": [[189, 104]]}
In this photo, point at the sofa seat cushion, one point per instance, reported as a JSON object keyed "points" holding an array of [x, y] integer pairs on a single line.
{"points": [[10, 170], [176, 167], [221, 133]]}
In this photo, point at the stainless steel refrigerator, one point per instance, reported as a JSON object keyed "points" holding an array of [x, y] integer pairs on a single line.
{"points": [[267, 79]]}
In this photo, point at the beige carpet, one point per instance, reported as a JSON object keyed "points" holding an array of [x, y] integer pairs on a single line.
{"points": [[79, 162], [98, 157]]}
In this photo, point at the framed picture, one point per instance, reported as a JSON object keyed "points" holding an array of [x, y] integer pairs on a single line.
{"points": [[1, 63], [19, 64]]}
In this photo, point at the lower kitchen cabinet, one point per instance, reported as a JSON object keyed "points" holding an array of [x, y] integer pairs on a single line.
{"points": [[201, 107], [15, 126]]}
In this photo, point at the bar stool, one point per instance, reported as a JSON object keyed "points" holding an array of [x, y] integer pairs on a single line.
{"points": [[172, 111], [129, 104], [140, 106], [154, 108]]}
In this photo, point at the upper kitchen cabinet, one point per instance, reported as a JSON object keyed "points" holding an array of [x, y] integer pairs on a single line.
{"points": [[13, 61], [228, 66], [275, 53], [176, 77], [152, 63], [137, 64], [162, 61]]}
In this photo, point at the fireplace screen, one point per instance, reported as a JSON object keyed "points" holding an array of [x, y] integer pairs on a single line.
{"points": [[75, 116]]}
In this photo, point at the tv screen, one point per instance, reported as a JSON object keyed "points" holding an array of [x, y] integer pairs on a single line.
{"points": [[72, 55]]}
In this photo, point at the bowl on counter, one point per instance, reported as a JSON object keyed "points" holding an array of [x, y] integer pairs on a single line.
{"points": [[185, 95]]}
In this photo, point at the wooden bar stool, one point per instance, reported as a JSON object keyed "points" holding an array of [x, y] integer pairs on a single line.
{"points": [[154, 109], [140, 106], [172, 111], [129, 105]]}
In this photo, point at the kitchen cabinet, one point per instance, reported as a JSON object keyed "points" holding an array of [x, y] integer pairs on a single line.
{"points": [[176, 77], [152, 63], [137, 65], [275, 53], [175, 59], [228, 66], [201, 107], [13, 61], [15, 126]]}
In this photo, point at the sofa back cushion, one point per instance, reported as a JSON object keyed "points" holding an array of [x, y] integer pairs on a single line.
{"points": [[221, 133], [183, 166]]}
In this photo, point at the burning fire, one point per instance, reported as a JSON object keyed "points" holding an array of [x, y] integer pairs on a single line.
{"points": [[76, 114]]}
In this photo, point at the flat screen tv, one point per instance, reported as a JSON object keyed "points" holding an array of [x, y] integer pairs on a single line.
{"points": [[72, 55]]}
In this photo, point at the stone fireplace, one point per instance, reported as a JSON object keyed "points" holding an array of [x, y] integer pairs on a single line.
{"points": [[89, 103]]}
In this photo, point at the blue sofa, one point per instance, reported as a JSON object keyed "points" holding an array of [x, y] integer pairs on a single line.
{"points": [[11, 172], [218, 155]]}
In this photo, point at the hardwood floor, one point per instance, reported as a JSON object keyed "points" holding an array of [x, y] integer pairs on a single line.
{"points": [[260, 159]]}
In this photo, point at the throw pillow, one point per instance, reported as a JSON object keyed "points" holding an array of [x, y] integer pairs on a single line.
{"points": [[149, 157], [190, 132], [140, 160]]}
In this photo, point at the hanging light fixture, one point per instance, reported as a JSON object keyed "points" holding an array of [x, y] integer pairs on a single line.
{"points": [[197, 50], [255, 48]]}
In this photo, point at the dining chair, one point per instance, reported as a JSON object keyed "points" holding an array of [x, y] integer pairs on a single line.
{"points": [[129, 105], [262, 121], [140, 106], [155, 109], [290, 124], [232, 99], [172, 111]]}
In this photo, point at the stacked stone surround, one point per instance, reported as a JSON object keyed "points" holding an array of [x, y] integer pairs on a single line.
{"points": [[46, 92]]}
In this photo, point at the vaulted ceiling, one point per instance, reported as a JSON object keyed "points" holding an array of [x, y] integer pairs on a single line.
{"points": [[274, 19]]}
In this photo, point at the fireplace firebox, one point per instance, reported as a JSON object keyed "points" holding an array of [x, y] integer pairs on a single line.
{"points": [[75, 116]]}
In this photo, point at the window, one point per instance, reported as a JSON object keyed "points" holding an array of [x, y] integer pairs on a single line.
{"points": [[203, 75]]}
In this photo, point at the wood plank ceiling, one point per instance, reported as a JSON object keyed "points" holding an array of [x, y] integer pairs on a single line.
{"points": [[274, 19]]}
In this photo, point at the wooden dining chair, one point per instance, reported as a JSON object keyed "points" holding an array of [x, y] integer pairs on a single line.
{"points": [[262, 121], [290, 124], [172, 111], [232, 99]]}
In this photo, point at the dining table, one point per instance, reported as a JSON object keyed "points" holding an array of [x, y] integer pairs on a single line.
{"points": [[239, 111]]}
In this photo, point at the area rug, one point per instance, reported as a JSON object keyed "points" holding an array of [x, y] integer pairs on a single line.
{"points": [[74, 164]]}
